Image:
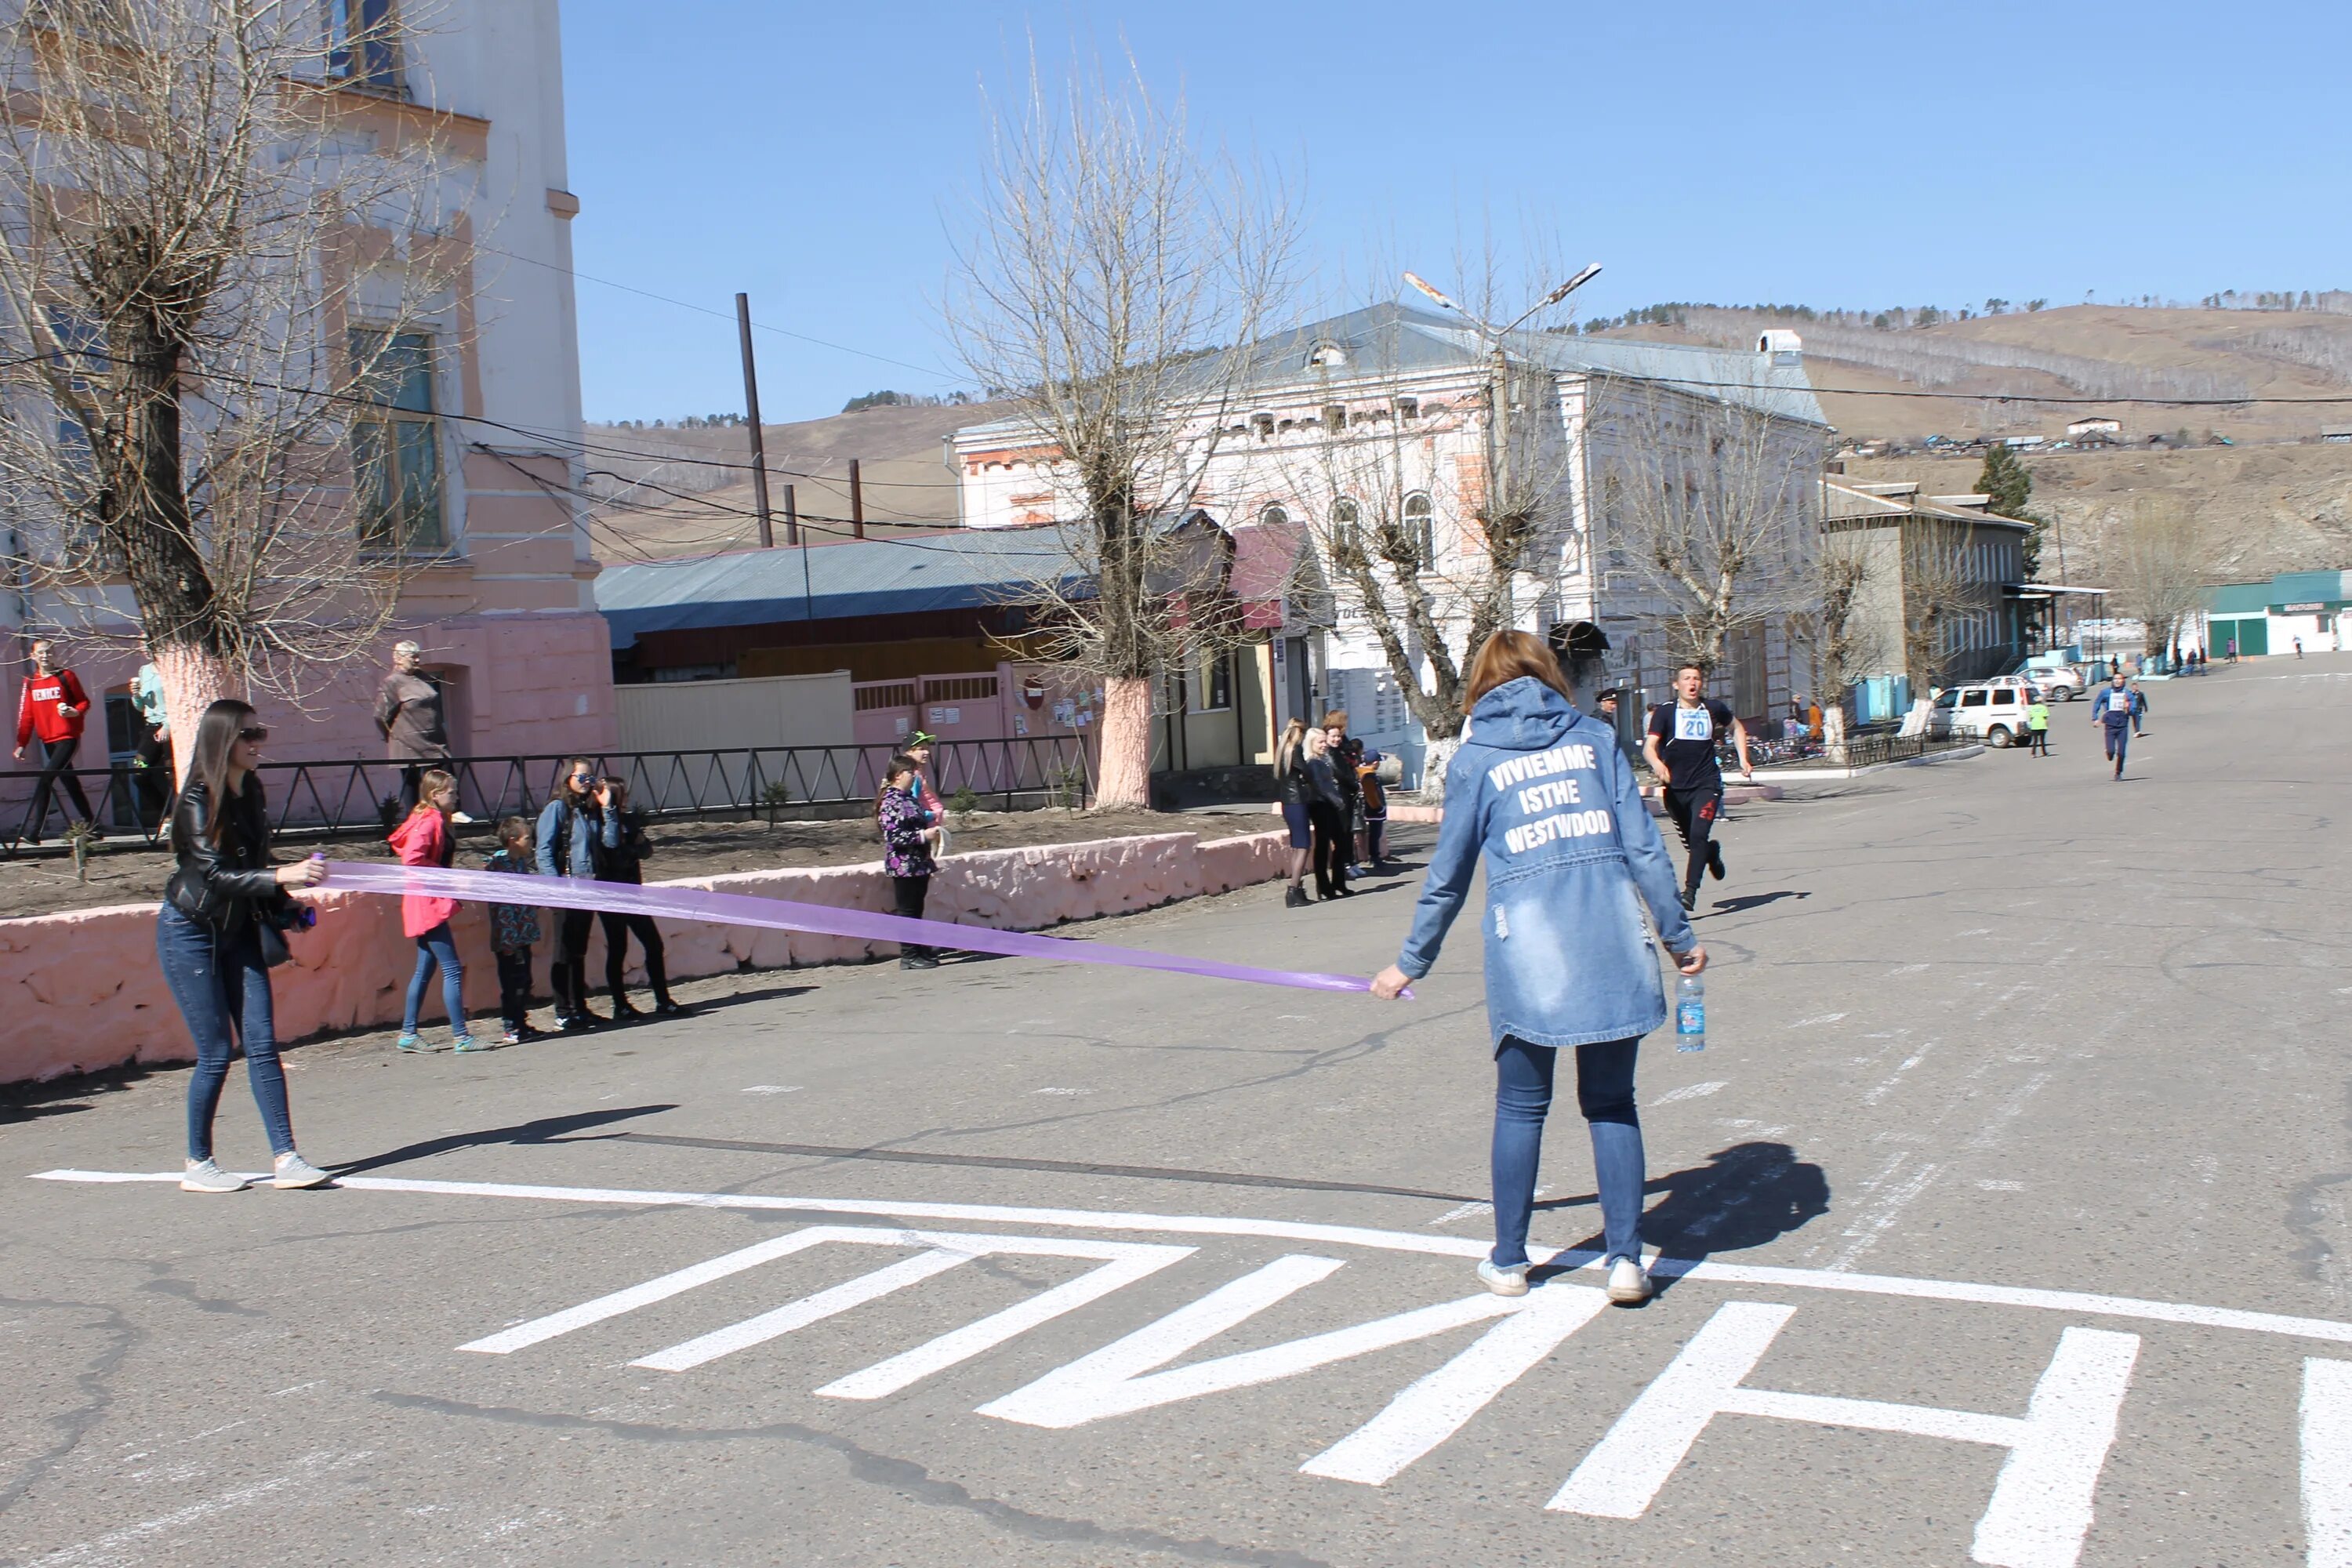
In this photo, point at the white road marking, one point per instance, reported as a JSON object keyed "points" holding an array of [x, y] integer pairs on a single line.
{"points": [[1886, 1206], [2077, 1301], [1817, 1018], [1132, 1262], [132, 1542], [2327, 1462], [1887, 1087], [1688, 1091], [1997, 1124], [799, 1314], [2042, 1503], [1120, 1378], [1464, 1211], [774, 1088], [1992, 1185], [1441, 1404]]}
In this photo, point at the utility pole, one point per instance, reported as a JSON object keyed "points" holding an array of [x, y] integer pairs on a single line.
{"points": [[792, 535], [856, 502], [751, 411]]}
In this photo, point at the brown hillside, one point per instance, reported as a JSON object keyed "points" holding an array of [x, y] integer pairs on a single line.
{"points": [[903, 470]]}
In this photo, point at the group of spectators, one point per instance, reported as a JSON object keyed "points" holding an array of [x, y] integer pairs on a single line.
{"points": [[588, 832], [1333, 803]]}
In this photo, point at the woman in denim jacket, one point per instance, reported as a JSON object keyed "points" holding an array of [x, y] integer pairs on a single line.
{"points": [[1571, 854]]}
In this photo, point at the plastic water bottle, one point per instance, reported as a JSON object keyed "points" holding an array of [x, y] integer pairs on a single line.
{"points": [[1690, 1013]]}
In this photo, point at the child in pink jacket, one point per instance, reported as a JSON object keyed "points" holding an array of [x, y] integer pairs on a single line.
{"points": [[425, 840]]}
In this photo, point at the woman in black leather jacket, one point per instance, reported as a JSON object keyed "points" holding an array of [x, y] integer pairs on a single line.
{"points": [[208, 940]]}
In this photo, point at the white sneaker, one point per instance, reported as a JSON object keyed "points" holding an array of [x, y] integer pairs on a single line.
{"points": [[1511, 1281], [293, 1170], [460, 818], [206, 1176], [1629, 1286]]}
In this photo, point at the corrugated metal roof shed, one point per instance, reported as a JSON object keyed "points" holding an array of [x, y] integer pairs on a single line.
{"points": [[965, 569], [2239, 598]]}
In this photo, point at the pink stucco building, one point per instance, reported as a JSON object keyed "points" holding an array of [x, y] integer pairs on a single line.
{"points": [[505, 611]]}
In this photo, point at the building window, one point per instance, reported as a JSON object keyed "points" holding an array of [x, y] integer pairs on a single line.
{"points": [[1421, 527], [396, 443], [1273, 517], [1408, 407], [1212, 688], [1264, 424], [1346, 530], [1335, 417], [360, 43]]}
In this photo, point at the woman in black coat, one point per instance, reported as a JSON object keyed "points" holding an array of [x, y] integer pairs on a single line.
{"points": [[223, 907], [1326, 813]]}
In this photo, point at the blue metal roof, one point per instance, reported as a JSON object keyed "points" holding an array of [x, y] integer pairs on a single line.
{"points": [[901, 576]]}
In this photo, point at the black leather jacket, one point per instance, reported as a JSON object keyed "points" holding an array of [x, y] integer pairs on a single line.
{"points": [[223, 887], [1295, 788]]}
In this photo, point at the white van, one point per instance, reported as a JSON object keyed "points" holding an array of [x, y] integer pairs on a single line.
{"points": [[1990, 711]]}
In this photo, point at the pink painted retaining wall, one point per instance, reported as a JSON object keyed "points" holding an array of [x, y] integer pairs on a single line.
{"points": [[80, 991]]}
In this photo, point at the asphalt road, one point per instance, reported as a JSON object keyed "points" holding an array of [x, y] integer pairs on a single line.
{"points": [[2010, 1198]]}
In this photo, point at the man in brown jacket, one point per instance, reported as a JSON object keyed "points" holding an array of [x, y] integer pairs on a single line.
{"points": [[408, 711]]}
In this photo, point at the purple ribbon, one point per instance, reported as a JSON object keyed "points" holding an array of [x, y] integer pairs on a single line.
{"points": [[784, 915]]}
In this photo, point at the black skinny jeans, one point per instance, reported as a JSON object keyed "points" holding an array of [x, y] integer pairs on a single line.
{"points": [[617, 929], [567, 976], [907, 896], [1331, 846], [55, 759]]}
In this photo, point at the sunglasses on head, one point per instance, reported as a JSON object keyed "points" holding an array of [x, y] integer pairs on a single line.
{"points": [[257, 734]]}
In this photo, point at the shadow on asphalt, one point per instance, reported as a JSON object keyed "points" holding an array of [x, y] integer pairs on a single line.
{"points": [[546, 1130], [1752, 901], [1748, 1195]]}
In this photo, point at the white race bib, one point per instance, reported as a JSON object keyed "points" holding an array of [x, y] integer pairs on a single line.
{"points": [[1694, 724]]}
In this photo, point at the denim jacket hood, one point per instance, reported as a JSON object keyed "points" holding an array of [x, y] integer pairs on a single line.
{"points": [[1544, 795]]}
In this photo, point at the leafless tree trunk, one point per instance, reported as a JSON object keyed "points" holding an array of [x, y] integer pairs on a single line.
{"points": [[1934, 600], [216, 282], [1424, 549], [1716, 504], [1117, 281], [2159, 568], [1840, 643]]}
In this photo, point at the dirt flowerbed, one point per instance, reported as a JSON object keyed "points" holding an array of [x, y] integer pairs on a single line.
{"points": [[123, 876]]}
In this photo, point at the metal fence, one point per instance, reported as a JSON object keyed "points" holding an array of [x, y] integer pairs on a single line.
{"points": [[1864, 747], [357, 798]]}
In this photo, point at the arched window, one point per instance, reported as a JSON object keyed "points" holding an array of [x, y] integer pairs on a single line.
{"points": [[1274, 516], [1347, 528], [1421, 527]]}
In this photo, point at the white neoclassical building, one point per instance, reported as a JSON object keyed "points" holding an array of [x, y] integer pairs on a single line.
{"points": [[1381, 415]]}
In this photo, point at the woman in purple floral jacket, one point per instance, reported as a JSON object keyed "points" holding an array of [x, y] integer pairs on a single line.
{"points": [[908, 835]]}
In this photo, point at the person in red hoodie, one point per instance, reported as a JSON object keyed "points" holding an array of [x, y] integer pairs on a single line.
{"points": [[50, 713], [424, 839]]}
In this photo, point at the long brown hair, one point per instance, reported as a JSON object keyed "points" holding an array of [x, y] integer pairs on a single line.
{"points": [[1286, 749], [430, 782], [1506, 656], [209, 765]]}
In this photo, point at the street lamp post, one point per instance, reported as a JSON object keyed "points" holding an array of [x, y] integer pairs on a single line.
{"points": [[1498, 428]]}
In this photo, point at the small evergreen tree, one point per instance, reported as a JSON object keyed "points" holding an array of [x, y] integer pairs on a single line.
{"points": [[2004, 478]]}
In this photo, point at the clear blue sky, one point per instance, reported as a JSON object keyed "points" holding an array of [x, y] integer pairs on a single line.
{"points": [[1821, 152]]}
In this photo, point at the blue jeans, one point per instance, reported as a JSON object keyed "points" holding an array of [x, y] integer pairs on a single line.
{"points": [[2119, 743], [436, 947], [223, 990], [1605, 1092]]}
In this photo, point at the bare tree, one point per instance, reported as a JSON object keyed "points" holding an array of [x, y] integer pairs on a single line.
{"points": [[1117, 280], [1935, 598], [2159, 566], [1427, 548], [222, 290], [1716, 503], [1839, 639]]}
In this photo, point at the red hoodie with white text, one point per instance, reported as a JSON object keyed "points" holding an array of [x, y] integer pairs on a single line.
{"points": [[52, 707]]}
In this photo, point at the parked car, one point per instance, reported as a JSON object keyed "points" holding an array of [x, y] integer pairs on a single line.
{"points": [[2056, 682], [1990, 711]]}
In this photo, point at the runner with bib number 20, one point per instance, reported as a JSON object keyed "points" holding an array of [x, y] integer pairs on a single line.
{"points": [[1680, 749]]}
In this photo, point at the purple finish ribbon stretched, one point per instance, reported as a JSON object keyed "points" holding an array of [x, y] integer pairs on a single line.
{"points": [[784, 915]]}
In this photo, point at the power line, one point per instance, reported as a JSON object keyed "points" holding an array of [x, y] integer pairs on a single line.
{"points": [[705, 310]]}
